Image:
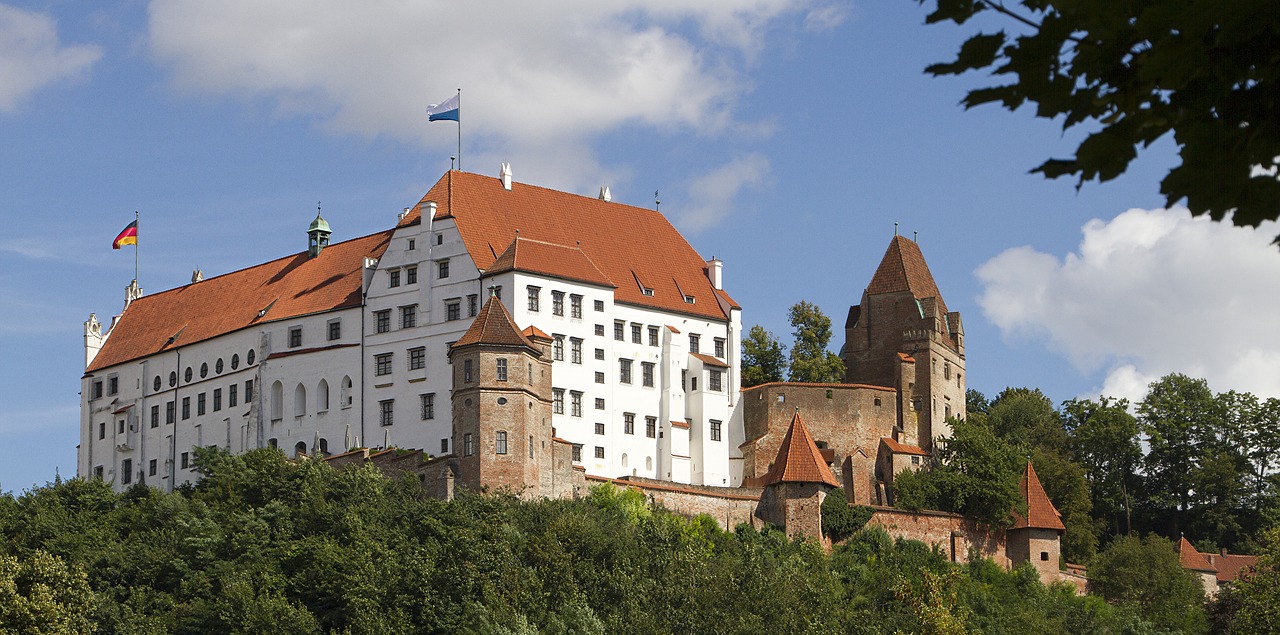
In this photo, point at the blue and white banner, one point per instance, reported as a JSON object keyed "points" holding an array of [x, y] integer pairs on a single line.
{"points": [[447, 111]]}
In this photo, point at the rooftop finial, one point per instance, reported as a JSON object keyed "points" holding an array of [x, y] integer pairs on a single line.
{"points": [[895, 229], [493, 290], [657, 202], [915, 237]]}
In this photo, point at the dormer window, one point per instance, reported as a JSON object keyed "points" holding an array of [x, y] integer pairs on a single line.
{"points": [[688, 299], [648, 291]]}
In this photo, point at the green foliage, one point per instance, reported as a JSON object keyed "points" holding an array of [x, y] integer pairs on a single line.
{"points": [[41, 594], [1252, 604], [976, 473], [1133, 72], [1145, 574], [810, 359], [764, 359], [1104, 440], [840, 519]]}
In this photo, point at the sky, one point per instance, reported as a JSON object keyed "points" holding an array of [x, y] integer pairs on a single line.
{"points": [[785, 137]]}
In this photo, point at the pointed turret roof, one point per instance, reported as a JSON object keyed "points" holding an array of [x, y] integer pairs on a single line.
{"points": [[493, 325], [799, 460], [1192, 559], [903, 269], [1041, 514]]}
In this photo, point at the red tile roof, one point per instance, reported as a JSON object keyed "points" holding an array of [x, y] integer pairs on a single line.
{"points": [[493, 325], [533, 331], [626, 243], [536, 256], [282, 289], [680, 424], [1192, 559], [903, 269], [1041, 514], [710, 361], [799, 460], [1229, 565], [901, 448], [906, 358]]}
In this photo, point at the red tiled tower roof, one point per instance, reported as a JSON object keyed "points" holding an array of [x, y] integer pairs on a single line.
{"points": [[903, 269], [799, 460], [631, 246], [286, 288], [493, 325], [1041, 514], [1192, 559]]}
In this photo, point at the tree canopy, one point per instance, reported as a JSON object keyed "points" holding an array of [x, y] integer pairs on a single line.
{"points": [[1205, 71], [763, 358], [810, 359]]}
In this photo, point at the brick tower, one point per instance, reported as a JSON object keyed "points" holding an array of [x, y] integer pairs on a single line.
{"points": [[903, 312], [502, 404], [796, 485]]}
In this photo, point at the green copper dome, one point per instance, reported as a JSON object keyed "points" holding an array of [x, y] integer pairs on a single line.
{"points": [[319, 225]]}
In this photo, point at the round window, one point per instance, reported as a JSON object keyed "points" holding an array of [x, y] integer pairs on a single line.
{"points": [[187, 375], [502, 401], [155, 385], [249, 358], [173, 378], [217, 367], [235, 361], [204, 370]]}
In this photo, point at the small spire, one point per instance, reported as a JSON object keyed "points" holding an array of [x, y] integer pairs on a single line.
{"points": [[895, 229], [915, 237], [657, 202]]}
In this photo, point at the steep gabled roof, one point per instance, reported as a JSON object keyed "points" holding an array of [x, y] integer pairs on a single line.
{"points": [[799, 460], [1192, 559], [493, 325], [625, 243], [903, 269], [286, 288], [560, 261], [1041, 514]]}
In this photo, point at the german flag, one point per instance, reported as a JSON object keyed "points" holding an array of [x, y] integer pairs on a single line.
{"points": [[127, 237]]}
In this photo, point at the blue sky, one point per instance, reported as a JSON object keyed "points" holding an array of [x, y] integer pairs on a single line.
{"points": [[785, 136]]}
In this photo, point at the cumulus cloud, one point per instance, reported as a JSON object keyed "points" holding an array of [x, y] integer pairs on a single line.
{"points": [[711, 196], [1149, 293], [31, 57], [540, 81]]}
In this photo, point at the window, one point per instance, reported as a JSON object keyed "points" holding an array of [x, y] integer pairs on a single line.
{"points": [[624, 371], [557, 348], [102, 429], [651, 427], [155, 387], [248, 359], [186, 375], [915, 460], [693, 384], [417, 358], [169, 412], [411, 273], [232, 392], [557, 401], [217, 399], [557, 303], [468, 444], [204, 368], [467, 371], [618, 326], [600, 428], [235, 361], [1044, 555], [575, 306], [715, 429], [719, 347], [600, 353], [694, 340], [126, 471], [653, 336], [599, 330], [442, 269], [531, 446], [444, 446], [599, 377], [394, 276], [472, 301], [535, 298], [113, 385], [295, 340], [628, 423], [599, 452], [386, 411], [599, 403], [577, 453], [248, 391], [185, 460], [439, 239], [646, 374], [408, 316], [575, 350], [217, 367], [186, 408], [599, 305], [95, 391], [410, 244], [120, 428], [151, 467], [946, 370], [501, 373], [429, 410], [500, 442], [200, 404], [452, 310], [714, 380], [575, 403], [382, 364], [635, 333], [97, 472], [382, 320], [173, 378], [155, 416]]}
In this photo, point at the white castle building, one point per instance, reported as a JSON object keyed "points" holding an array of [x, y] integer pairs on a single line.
{"points": [[346, 344]]}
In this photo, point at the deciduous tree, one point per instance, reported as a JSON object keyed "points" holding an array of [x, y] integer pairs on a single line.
{"points": [[810, 359], [764, 359]]}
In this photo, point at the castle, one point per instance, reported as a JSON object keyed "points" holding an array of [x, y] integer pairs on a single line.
{"points": [[545, 341]]}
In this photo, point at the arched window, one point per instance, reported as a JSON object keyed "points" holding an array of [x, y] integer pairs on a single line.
{"points": [[299, 401], [624, 459], [648, 463], [322, 396], [235, 361], [249, 358], [277, 401], [946, 370], [345, 395], [324, 446], [300, 449]]}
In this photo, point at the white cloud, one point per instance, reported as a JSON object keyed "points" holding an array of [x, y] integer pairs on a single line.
{"points": [[711, 196], [32, 58], [540, 81], [1146, 294]]}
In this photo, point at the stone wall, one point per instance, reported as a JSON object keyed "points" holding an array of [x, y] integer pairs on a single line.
{"points": [[953, 532], [729, 506]]}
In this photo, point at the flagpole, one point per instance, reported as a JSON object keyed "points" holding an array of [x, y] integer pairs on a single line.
{"points": [[135, 246], [459, 129]]}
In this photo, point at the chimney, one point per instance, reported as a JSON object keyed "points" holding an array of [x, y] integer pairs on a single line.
{"points": [[605, 195], [429, 210], [505, 174], [715, 272], [403, 214], [197, 275]]}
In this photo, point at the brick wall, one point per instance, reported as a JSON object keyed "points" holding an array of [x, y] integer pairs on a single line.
{"points": [[953, 532], [729, 506]]}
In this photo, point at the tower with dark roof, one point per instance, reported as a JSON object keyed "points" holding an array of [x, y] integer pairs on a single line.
{"points": [[902, 311]]}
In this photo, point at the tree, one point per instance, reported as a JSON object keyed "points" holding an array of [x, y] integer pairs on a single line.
{"points": [[1026, 416], [1145, 573], [763, 358], [41, 594], [810, 359], [1252, 603], [975, 473], [1204, 70], [1172, 416], [1104, 439]]}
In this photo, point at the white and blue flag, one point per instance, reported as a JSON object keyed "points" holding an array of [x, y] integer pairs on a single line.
{"points": [[447, 111]]}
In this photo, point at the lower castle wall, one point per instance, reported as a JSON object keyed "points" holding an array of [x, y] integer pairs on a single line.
{"points": [[954, 533], [729, 506]]}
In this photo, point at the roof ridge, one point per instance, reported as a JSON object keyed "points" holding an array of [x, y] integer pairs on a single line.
{"points": [[799, 460], [1041, 514], [903, 268], [1192, 559]]}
